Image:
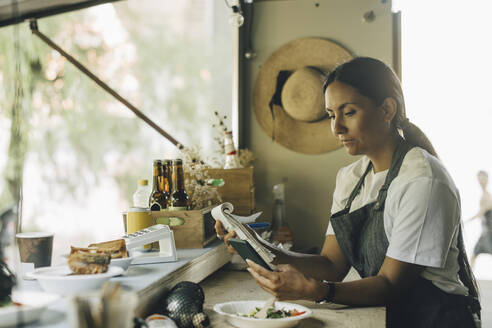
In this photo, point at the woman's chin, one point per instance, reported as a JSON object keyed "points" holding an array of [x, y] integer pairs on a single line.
{"points": [[352, 151]]}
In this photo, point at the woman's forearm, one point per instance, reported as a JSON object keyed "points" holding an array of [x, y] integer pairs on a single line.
{"points": [[371, 291]]}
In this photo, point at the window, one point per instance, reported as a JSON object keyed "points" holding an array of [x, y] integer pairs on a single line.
{"points": [[445, 69], [84, 151]]}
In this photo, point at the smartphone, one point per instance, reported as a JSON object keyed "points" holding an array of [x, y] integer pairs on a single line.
{"points": [[246, 251]]}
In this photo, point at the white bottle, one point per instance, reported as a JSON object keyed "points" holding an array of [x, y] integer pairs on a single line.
{"points": [[141, 195], [231, 160]]}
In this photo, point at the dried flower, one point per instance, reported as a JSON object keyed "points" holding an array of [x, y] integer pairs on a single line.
{"points": [[246, 157], [201, 194]]}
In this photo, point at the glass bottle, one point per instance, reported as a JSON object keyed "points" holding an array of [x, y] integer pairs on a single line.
{"points": [[281, 231], [157, 199], [167, 164], [278, 213], [178, 200], [231, 159]]}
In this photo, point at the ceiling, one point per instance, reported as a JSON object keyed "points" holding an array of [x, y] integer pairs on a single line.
{"points": [[16, 11]]}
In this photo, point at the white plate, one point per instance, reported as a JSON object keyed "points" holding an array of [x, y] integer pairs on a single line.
{"points": [[58, 279], [125, 262], [230, 310], [33, 305]]}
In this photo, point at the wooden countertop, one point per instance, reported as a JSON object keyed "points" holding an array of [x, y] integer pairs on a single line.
{"points": [[227, 285]]}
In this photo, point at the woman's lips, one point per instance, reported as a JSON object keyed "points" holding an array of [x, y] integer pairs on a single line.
{"points": [[347, 141]]}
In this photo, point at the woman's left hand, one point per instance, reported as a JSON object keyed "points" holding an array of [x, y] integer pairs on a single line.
{"points": [[287, 283]]}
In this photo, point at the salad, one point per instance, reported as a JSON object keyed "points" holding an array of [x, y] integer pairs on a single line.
{"points": [[273, 314]]}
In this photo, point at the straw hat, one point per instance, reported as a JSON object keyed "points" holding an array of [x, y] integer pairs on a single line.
{"points": [[288, 95]]}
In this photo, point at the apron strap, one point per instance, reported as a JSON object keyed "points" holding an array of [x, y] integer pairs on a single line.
{"points": [[357, 188], [401, 150], [465, 277]]}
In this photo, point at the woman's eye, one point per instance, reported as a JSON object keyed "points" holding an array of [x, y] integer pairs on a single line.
{"points": [[350, 113]]}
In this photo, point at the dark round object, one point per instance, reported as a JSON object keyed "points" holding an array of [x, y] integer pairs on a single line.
{"points": [[191, 287], [201, 320], [183, 302]]}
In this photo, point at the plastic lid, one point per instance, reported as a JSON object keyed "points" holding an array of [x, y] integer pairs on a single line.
{"points": [[143, 182]]}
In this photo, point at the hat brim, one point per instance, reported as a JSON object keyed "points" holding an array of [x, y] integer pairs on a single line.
{"points": [[304, 137]]}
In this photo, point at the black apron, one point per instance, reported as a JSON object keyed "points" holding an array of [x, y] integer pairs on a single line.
{"points": [[362, 238]]}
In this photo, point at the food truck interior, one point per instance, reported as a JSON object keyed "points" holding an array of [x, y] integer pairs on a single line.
{"points": [[93, 92]]}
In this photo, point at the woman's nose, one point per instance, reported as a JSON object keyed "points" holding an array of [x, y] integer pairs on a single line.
{"points": [[337, 126]]}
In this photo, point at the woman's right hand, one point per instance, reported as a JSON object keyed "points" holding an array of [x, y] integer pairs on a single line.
{"points": [[223, 234]]}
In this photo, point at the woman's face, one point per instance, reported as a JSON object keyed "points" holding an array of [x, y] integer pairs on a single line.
{"points": [[355, 120]]}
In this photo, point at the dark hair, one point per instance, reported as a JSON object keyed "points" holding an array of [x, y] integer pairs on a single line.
{"points": [[375, 80]]}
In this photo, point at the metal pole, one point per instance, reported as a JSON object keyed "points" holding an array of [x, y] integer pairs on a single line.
{"points": [[34, 28]]}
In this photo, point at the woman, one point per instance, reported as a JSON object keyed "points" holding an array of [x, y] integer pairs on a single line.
{"points": [[484, 244], [396, 215]]}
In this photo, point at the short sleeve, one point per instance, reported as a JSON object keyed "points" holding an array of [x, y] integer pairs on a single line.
{"points": [[423, 218]]}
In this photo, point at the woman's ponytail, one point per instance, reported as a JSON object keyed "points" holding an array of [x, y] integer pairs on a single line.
{"points": [[416, 137]]}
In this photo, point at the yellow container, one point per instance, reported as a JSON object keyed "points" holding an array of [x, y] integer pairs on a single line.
{"points": [[138, 219]]}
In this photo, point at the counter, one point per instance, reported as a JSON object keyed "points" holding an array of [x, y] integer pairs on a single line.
{"points": [[206, 266], [150, 281], [223, 286]]}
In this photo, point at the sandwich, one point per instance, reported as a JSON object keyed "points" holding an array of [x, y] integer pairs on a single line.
{"points": [[88, 263], [115, 248]]}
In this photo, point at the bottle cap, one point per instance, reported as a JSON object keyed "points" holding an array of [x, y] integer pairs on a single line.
{"points": [[177, 161], [279, 191], [143, 182]]}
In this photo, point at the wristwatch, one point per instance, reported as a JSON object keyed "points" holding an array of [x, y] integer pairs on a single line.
{"points": [[331, 293]]}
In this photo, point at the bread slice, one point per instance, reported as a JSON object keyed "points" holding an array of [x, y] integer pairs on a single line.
{"points": [[116, 248], [88, 263], [92, 250]]}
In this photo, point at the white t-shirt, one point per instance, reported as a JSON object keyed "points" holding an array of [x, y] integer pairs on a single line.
{"points": [[421, 215]]}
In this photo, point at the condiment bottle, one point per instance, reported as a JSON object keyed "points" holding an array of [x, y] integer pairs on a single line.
{"points": [[141, 195], [231, 160]]}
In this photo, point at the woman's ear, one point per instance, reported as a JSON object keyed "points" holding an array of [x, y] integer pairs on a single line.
{"points": [[389, 107]]}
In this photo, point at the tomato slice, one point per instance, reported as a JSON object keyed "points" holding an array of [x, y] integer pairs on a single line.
{"points": [[294, 313]]}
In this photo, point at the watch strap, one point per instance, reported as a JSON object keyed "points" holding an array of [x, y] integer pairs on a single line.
{"points": [[330, 295]]}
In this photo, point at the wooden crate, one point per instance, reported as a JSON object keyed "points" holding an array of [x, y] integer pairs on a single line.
{"points": [[238, 188], [197, 231]]}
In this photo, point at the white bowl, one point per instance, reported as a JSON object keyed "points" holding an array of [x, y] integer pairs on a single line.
{"points": [[33, 305], [60, 280], [231, 309]]}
